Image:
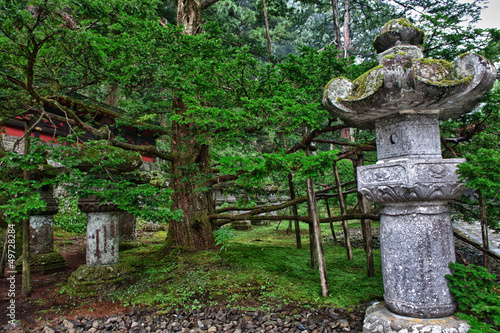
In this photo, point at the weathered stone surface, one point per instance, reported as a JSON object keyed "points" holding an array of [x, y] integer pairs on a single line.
{"points": [[127, 226], [404, 98], [90, 205], [102, 238], [379, 319], [410, 180], [44, 262], [100, 279], [241, 225], [402, 84], [417, 245], [41, 234], [398, 32], [409, 136]]}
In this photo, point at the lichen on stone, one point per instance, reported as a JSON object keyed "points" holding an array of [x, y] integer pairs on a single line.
{"points": [[438, 72], [367, 83], [395, 24]]}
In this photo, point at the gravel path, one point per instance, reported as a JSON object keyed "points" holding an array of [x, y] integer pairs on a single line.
{"points": [[286, 319]]}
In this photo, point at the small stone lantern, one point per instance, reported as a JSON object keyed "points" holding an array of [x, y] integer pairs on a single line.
{"points": [[102, 273], [43, 257], [404, 98]]}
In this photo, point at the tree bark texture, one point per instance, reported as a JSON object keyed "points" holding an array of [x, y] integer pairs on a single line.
{"points": [[347, 23], [192, 162], [26, 284], [343, 210], [266, 24], [313, 209], [336, 24], [189, 16], [4, 255]]}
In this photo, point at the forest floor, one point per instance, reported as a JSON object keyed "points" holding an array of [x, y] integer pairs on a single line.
{"points": [[50, 309]]}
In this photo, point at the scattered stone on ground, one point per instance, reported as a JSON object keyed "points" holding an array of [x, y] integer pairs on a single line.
{"points": [[213, 319]]}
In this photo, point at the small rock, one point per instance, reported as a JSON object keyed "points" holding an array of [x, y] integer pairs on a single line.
{"points": [[212, 329]]}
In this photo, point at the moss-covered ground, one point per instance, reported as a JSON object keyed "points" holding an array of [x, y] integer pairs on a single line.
{"points": [[261, 267]]}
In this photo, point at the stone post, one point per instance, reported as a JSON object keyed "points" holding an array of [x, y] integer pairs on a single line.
{"points": [[102, 238], [127, 226], [102, 272], [403, 99], [43, 257]]}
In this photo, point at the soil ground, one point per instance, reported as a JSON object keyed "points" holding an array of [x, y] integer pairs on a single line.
{"points": [[46, 302]]}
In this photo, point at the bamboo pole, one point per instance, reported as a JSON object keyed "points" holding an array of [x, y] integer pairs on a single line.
{"points": [[295, 211], [313, 210], [331, 223], [343, 210], [365, 223]]}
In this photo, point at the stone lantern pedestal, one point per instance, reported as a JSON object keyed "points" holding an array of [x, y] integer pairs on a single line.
{"points": [[404, 98], [43, 257], [102, 272]]}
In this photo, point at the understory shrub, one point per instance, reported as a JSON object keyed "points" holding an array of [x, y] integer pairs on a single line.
{"points": [[69, 217], [477, 295]]}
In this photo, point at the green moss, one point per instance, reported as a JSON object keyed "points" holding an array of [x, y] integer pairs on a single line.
{"points": [[396, 24], [390, 56], [449, 83], [427, 61], [89, 280], [367, 83], [444, 69], [401, 53], [44, 262]]}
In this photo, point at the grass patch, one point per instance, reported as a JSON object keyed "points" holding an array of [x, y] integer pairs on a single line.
{"points": [[261, 268]]}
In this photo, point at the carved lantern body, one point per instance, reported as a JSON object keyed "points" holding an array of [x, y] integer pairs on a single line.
{"points": [[404, 98]]}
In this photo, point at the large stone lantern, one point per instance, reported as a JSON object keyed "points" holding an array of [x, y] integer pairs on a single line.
{"points": [[404, 98]]}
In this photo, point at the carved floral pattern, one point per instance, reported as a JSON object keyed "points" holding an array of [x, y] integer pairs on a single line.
{"points": [[414, 192]]}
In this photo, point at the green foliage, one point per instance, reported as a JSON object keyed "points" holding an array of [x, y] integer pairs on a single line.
{"points": [[22, 177], [477, 294], [69, 218], [479, 142], [222, 237]]}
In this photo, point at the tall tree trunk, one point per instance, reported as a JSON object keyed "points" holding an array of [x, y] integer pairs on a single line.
{"points": [[336, 24], [313, 209], [189, 16], [295, 211], [343, 211], [484, 228], [26, 284], [347, 23], [192, 163], [266, 24], [194, 230], [3, 259], [365, 223]]}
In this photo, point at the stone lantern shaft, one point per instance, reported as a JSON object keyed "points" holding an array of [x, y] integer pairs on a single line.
{"points": [[404, 98]]}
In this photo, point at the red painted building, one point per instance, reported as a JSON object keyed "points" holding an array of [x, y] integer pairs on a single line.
{"points": [[97, 114]]}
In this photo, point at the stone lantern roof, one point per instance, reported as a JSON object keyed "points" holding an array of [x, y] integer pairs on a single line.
{"points": [[406, 82]]}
